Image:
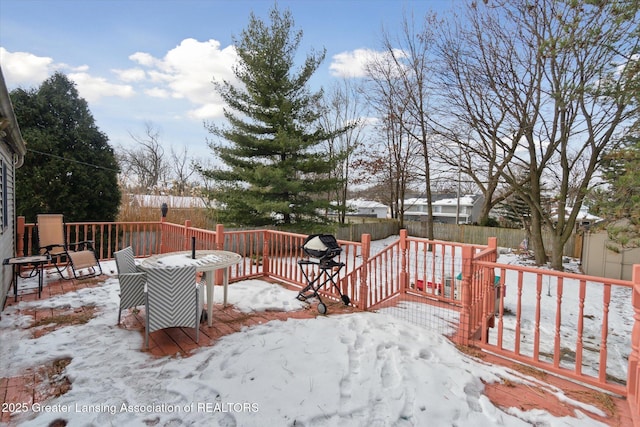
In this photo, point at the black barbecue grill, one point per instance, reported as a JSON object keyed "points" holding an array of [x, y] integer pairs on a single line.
{"points": [[320, 268]]}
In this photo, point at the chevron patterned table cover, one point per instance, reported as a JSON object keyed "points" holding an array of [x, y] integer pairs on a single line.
{"points": [[206, 261]]}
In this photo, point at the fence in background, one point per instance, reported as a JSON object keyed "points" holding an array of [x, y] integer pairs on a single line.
{"points": [[470, 234]]}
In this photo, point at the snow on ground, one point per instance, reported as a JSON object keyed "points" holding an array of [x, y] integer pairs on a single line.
{"points": [[360, 369]]}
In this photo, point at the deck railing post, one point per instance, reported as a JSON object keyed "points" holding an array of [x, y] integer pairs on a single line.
{"points": [[163, 219], [464, 328], [364, 279], [266, 236], [219, 237], [219, 246], [493, 244], [20, 236], [404, 274], [633, 396], [187, 232], [491, 290]]}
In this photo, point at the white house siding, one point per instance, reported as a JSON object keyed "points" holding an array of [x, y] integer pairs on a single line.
{"points": [[444, 210], [369, 208], [364, 208], [7, 222], [12, 152]]}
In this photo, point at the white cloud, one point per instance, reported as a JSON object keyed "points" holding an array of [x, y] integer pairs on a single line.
{"points": [[157, 92], [187, 72], [26, 69], [143, 59], [355, 63], [80, 69], [158, 77], [351, 64], [130, 75], [207, 111], [93, 88]]}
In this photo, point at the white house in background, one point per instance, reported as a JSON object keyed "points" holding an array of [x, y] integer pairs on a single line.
{"points": [[444, 210], [369, 208], [365, 208], [12, 152], [584, 218], [173, 202]]}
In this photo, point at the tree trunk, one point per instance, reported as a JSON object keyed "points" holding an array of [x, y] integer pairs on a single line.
{"points": [[536, 238], [557, 249], [483, 219]]}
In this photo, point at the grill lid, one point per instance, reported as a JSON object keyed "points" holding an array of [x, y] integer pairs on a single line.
{"points": [[322, 246]]}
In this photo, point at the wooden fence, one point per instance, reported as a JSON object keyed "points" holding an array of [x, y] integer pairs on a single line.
{"points": [[470, 234]]}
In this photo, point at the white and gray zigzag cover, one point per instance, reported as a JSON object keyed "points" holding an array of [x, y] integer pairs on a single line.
{"points": [[131, 280], [174, 299]]}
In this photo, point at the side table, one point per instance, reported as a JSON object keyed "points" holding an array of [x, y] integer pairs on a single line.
{"points": [[37, 261]]}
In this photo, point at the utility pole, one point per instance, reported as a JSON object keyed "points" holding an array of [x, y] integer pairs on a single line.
{"points": [[458, 198]]}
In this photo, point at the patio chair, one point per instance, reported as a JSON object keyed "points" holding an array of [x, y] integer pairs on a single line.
{"points": [[173, 299], [76, 256], [132, 280]]}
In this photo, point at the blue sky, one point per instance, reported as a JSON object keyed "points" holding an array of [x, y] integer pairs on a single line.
{"points": [[153, 61]]}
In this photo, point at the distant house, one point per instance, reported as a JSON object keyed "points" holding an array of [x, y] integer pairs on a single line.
{"points": [[584, 218], [12, 152], [363, 208], [444, 210], [368, 208]]}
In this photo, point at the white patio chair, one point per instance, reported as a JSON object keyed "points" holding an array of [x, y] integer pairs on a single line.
{"points": [[173, 299], [132, 280]]}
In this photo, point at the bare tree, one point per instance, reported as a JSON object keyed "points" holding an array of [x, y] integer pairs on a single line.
{"points": [[472, 105], [393, 164], [401, 154], [405, 87], [145, 163], [343, 110], [555, 77], [183, 169], [206, 184]]}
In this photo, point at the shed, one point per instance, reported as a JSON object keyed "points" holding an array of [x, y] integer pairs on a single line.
{"points": [[598, 259]]}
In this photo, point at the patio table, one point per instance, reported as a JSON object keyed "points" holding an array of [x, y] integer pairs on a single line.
{"points": [[206, 261], [37, 261]]}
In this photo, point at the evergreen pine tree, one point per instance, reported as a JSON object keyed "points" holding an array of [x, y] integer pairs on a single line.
{"points": [[619, 204], [275, 170]]}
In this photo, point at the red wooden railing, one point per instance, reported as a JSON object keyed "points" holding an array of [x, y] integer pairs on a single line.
{"points": [[466, 278], [266, 253], [108, 237], [633, 378], [557, 295]]}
